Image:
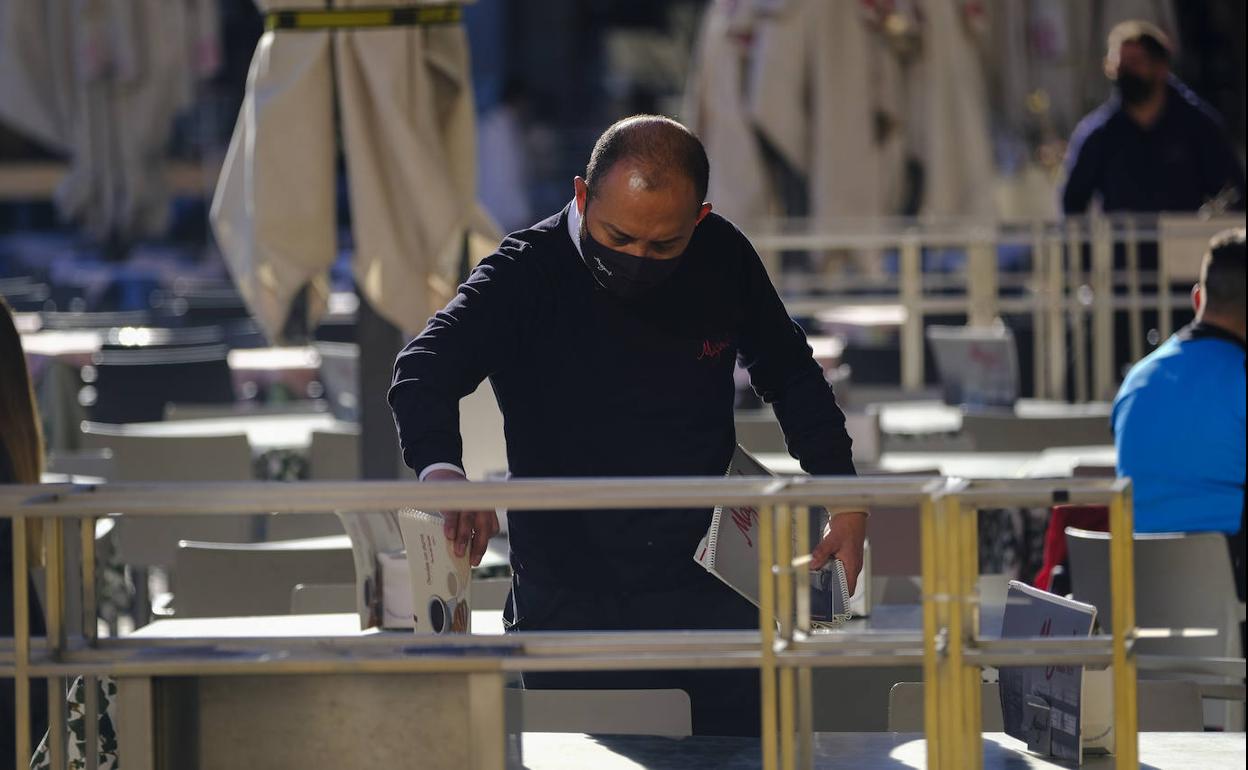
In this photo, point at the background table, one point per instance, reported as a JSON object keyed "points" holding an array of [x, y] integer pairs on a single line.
{"points": [[861, 751]]}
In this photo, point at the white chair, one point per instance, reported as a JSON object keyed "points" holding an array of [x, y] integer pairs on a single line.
{"points": [[240, 579], [1163, 707], [1181, 581], [320, 598], [489, 594], [334, 456], [602, 712], [88, 462], [152, 541]]}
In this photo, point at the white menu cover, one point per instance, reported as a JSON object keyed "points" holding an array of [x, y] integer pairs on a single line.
{"points": [[440, 580]]}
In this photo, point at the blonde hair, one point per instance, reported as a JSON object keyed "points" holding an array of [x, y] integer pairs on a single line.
{"points": [[20, 431]]}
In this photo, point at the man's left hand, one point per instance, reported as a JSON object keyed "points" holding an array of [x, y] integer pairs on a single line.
{"points": [[843, 539]]}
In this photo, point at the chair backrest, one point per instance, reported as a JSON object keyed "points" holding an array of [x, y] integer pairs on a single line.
{"points": [[615, 712], [136, 385], [334, 456], [93, 462], [153, 541], [320, 598], [170, 458], [1163, 707], [238, 579], [489, 594], [1181, 581]]}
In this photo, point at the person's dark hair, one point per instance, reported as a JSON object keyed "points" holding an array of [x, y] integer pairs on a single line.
{"points": [[658, 145], [1148, 36], [1222, 272], [21, 438]]}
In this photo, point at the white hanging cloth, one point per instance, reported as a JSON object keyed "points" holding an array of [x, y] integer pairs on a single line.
{"points": [[716, 110], [102, 81], [947, 116], [405, 104], [825, 92]]}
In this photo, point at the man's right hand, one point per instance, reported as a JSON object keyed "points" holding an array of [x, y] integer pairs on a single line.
{"points": [[470, 531]]}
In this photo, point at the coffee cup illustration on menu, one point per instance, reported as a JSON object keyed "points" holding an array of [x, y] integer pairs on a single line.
{"points": [[440, 579]]}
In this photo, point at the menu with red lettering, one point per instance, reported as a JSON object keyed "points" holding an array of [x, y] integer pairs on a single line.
{"points": [[729, 551]]}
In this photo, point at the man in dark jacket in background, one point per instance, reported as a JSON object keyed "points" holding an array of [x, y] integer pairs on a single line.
{"points": [[609, 333], [1155, 145]]}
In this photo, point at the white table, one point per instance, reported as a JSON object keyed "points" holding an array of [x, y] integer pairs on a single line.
{"points": [[936, 417], [324, 626], [264, 432], [862, 751], [1057, 462]]}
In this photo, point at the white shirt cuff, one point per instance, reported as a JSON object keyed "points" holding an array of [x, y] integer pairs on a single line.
{"points": [[442, 467]]}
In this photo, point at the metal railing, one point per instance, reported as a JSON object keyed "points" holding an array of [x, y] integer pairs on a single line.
{"points": [[949, 647], [1073, 280]]}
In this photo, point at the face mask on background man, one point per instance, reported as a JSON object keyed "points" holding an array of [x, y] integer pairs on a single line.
{"points": [[1133, 88]]}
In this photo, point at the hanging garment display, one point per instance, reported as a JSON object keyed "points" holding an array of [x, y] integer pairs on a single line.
{"points": [[404, 98], [824, 92], [716, 109], [101, 82], [947, 112]]}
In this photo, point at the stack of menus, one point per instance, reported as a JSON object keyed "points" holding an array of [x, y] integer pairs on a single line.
{"points": [[1058, 711]]}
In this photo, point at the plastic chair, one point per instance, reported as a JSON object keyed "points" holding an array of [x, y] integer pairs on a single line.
{"points": [[319, 598], [1181, 581], [489, 594], [242, 579], [135, 385], [152, 541]]}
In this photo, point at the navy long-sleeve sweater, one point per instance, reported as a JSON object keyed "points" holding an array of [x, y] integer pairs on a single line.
{"points": [[1177, 164], [591, 385]]}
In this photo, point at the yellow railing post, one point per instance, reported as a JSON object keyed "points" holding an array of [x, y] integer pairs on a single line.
{"points": [[21, 645], [767, 632], [54, 542], [784, 602], [1122, 588], [934, 601], [805, 679], [967, 605]]}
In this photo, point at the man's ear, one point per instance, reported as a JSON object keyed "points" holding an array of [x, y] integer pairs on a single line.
{"points": [[581, 191], [702, 212], [1198, 298]]}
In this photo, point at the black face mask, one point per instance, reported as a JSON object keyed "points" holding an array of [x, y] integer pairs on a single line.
{"points": [[623, 274], [1132, 88]]}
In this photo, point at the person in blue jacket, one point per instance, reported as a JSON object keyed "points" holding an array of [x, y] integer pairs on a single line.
{"points": [[1179, 416], [609, 333]]}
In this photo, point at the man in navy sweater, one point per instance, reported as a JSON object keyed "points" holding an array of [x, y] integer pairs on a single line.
{"points": [[1155, 145], [609, 333]]}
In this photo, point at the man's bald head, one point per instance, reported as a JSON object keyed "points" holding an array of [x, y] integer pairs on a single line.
{"points": [[657, 149]]}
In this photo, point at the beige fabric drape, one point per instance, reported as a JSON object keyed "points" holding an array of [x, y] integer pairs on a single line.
{"points": [[824, 92], [948, 115], [716, 109], [407, 126], [102, 81]]}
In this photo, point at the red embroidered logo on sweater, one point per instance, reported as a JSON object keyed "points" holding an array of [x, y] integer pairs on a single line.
{"points": [[712, 348]]}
